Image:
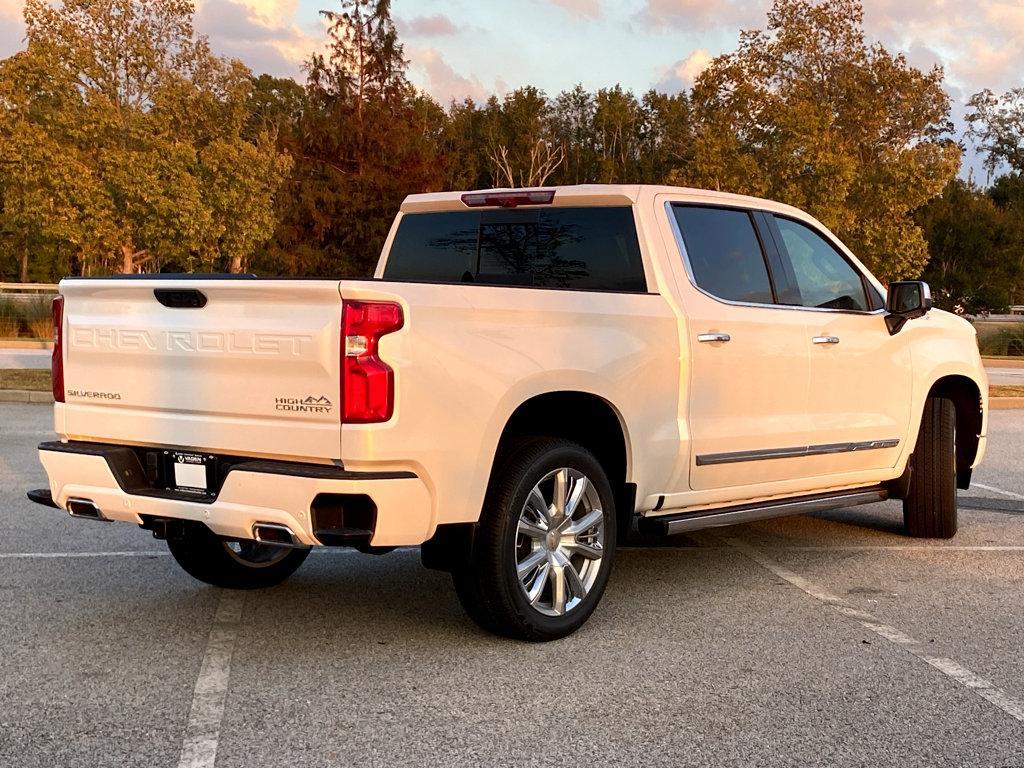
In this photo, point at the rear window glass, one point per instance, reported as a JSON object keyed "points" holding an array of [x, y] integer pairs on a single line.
{"points": [[724, 253], [592, 248]]}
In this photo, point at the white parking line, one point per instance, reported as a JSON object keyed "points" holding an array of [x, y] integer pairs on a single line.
{"points": [[1011, 494], [149, 553], [110, 554], [951, 668], [835, 548], [900, 548], [199, 746]]}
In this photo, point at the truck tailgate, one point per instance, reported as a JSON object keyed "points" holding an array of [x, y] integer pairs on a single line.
{"points": [[254, 371]]}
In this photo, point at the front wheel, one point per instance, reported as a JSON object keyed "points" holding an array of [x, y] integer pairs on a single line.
{"points": [[930, 507], [241, 565], [543, 552]]}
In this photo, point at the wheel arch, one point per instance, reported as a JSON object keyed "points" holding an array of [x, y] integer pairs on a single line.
{"points": [[575, 415], [965, 393], [583, 418]]}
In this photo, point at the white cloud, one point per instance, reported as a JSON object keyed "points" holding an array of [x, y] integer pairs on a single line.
{"points": [[437, 25], [586, 9], [12, 27], [436, 77], [684, 72], [979, 44], [986, 65], [261, 33], [272, 12], [691, 15]]}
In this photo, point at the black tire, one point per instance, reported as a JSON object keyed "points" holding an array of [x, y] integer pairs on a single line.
{"points": [[246, 565], [487, 583], [930, 507]]}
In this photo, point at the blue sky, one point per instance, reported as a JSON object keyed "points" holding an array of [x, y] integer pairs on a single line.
{"points": [[461, 48]]}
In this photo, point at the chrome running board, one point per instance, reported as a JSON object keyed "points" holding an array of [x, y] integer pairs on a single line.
{"points": [[677, 523]]}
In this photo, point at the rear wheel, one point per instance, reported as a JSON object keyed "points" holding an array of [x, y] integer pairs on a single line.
{"points": [[240, 565], [543, 552], [930, 507]]}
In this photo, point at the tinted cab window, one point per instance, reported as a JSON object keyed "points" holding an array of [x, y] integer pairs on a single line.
{"points": [[724, 253], [571, 248], [822, 274]]}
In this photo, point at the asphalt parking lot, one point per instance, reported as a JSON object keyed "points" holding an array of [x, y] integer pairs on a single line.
{"points": [[829, 639]]}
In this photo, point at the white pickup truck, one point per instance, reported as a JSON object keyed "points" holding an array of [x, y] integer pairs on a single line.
{"points": [[529, 376]]}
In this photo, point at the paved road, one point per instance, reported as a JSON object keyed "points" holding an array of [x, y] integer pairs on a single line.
{"points": [[829, 639], [24, 358], [1005, 375]]}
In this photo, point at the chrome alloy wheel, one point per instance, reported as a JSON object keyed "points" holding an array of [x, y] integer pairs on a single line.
{"points": [[560, 542]]}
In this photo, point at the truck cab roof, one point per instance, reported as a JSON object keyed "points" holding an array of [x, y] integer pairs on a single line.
{"points": [[595, 195]]}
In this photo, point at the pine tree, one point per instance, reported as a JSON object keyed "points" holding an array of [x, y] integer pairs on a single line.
{"points": [[367, 140]]}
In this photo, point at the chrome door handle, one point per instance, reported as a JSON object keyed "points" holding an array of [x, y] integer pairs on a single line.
{"points": [[825, 339], [713, 337]]}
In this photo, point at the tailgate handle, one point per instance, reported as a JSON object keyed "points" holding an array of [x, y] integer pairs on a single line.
{"points": [[182, 298]]}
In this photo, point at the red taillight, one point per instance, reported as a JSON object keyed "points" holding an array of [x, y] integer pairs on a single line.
{"points": [[57, 359], [367, 382], [509, 199]]}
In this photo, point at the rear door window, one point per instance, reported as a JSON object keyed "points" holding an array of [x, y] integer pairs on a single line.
{"points": [[724, 254], [592, 248]]}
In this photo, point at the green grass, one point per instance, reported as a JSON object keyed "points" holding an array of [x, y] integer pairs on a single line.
{"points": [[1004, 340], [1006, 391], [10, 320], [26, 317], [37, 317], [25, 379]]}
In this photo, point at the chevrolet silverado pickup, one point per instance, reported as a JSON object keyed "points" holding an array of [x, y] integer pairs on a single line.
{"points": [[529, 376]]}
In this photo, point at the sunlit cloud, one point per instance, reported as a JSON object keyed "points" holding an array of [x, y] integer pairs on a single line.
{"points": [[272, 12], [261, 33], [684, 72], [689, 15], [437, 25], [586, 9], [12, 29], [437, 77]]}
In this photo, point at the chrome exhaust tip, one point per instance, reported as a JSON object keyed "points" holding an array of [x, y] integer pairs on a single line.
{"points": [[84, 508], [275, 534]]}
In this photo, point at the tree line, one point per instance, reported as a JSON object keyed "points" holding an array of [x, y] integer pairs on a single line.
{"points": [[126, 145]]}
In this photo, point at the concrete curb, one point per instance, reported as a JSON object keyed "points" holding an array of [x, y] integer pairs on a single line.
{"points": [[25, 344], [33, 396], [1002, 362], [1006, 403]]}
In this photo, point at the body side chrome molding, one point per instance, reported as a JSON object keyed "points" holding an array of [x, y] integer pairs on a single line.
{"points": [[794, 451]]}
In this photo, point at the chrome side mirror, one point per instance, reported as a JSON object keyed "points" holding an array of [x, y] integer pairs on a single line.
{"points": [[906, 300]]}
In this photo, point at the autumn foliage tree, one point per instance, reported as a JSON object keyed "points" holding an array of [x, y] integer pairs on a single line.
{"points": [[997, 124], [808, 112], [366, 140], [121, 139]]}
